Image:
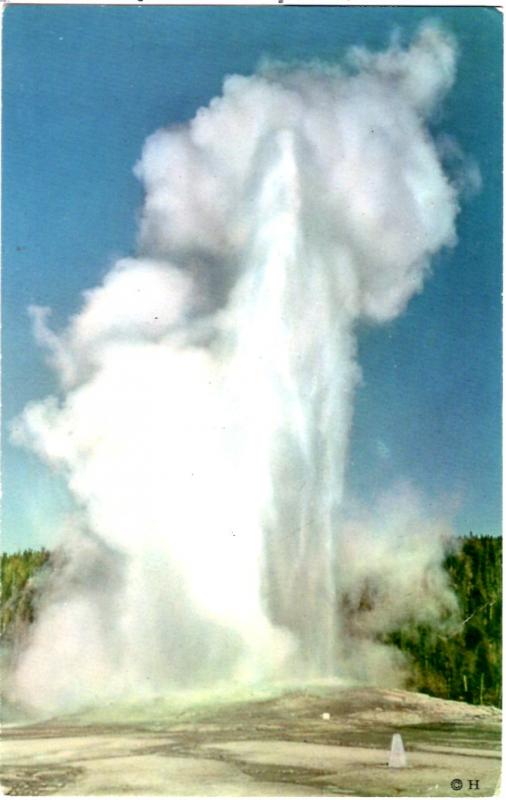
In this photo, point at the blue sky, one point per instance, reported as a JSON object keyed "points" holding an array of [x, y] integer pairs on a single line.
{"points": [[84, 86]]}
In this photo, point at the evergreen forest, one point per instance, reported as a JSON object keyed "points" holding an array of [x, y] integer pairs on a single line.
{"points": [[463, 663]]}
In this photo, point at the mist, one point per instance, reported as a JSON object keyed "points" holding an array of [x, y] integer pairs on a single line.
{"points": [[205, 393]]}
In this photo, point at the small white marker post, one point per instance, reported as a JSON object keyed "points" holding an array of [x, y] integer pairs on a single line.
{"points": [[397, 755]]}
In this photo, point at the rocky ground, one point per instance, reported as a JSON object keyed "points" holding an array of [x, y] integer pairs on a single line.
{"points": [[312, 742]]}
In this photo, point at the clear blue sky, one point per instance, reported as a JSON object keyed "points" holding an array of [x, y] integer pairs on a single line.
{"points": [[84, 86]]}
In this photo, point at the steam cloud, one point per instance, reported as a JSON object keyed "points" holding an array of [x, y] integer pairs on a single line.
{"points": [[207, 386]]}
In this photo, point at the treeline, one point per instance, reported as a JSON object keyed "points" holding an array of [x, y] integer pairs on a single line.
{"points": [[463, 663], [21, 575]]}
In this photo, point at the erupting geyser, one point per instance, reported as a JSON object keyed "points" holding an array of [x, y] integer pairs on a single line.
{"points": [[206, 386]]}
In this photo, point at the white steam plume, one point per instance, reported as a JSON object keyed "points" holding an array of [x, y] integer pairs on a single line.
{"points": [[207, 384], [393, 578]]}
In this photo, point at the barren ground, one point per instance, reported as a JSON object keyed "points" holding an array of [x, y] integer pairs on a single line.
{"points": [[275, 746]]}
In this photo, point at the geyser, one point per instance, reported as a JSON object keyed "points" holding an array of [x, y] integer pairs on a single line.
{"points": [[206, 386]]}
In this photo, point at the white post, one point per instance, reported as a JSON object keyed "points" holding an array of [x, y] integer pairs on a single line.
{"points": [[397, 754]]}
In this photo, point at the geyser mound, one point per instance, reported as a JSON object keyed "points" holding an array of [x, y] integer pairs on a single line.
{"points": [[206, 386]]}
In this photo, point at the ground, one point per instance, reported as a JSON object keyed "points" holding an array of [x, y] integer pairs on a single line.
{"points": [[317, 741]]}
